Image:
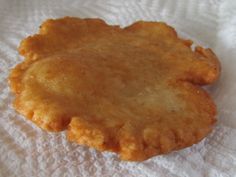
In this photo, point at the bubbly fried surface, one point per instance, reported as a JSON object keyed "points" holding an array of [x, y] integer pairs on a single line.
{"points": [[135, 91]]}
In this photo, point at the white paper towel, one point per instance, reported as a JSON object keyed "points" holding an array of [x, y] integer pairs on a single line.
{"points": [[25, 150]]}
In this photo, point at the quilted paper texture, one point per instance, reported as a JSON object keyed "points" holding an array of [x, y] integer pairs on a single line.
{"points": [[28, 151]]}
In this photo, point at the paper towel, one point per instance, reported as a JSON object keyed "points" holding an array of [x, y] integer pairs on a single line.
{"points": [[26, 150]]}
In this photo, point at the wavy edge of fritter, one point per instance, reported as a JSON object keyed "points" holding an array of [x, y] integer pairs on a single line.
{"points": [[133, 145]]}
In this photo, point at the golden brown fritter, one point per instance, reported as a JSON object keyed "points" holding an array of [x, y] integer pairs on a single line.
{"points": [[135, 91]]}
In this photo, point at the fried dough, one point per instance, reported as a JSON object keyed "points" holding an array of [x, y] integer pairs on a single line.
{"points": [[134, 91]]}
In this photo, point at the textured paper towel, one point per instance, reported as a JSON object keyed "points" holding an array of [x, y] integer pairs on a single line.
{"points": [[25, 150]]}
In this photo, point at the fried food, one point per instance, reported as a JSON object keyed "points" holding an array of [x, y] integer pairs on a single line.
{"points": [[134, 91]]}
